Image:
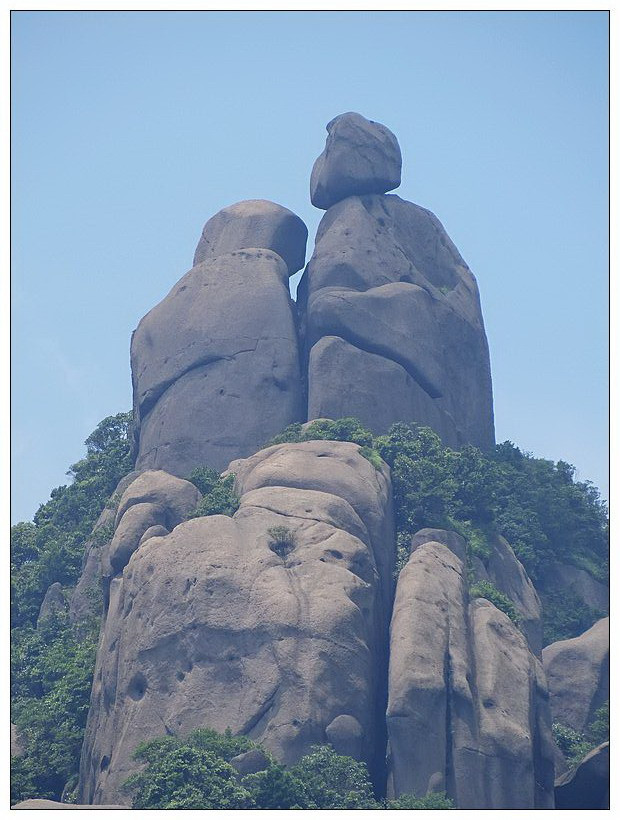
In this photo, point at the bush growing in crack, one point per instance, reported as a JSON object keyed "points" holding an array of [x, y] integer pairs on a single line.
{"points": [[281, 540]]}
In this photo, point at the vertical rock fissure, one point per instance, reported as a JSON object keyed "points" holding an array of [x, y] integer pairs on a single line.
{"points": [[449, 781]]}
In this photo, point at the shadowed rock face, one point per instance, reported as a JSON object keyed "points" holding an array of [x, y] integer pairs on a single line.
{"points": [[215, 365], [280, 635], [578, 674], [390, 310], [360, 157], [468, 707], [588, 786]]}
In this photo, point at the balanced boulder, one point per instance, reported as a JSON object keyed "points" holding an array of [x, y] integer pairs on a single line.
{"points": [[360, 157], [255, 223]]}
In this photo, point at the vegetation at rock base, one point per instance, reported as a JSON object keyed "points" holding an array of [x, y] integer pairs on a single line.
{"points": [[218, 494], [196, 773], [51, 665], [575, 745]]}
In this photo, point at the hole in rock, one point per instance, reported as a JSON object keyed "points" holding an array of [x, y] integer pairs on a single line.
{"points": [[105, 762], [335, 553], [137, 686]]}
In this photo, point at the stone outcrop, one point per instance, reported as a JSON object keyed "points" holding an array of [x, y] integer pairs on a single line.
{"points": [[215, 365], [468, 707], [360, 157], [272, 622], [588, 786], [391, 322], [578, 676], [153, 504], [255, 223]]}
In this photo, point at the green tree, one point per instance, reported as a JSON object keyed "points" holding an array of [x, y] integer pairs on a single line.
{"points": [[179, 775], [430, 801], [333, 781], [218, 494]]}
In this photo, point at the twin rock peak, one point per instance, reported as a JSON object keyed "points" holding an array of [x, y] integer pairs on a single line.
{"points": [[387, 326]]}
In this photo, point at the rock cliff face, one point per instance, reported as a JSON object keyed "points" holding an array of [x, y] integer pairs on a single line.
{"points": [[468, 708], [272, 623], [282, 621]]}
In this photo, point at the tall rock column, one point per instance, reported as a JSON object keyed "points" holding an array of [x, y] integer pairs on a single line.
{"points": [[215, 365], [390, 312]]}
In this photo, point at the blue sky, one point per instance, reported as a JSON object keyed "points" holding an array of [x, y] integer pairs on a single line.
{"points": [[131, 129]]}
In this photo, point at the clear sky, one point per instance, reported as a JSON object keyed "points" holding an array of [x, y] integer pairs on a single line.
{"points": [[131, 129]]}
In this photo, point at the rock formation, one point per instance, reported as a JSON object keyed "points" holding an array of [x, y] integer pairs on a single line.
{"points": [[282, 622], [360, 157], [215, 365], [390, 312], [468, 708], [272, 622], [578, 675]]}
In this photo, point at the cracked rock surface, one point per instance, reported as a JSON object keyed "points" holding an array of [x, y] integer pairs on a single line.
{"points": [[280, 635]]}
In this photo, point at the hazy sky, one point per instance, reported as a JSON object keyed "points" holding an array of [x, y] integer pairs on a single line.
{"points": [[131, 129]]}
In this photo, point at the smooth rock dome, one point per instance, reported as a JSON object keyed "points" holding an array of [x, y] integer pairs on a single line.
{"points": [[255, 223], [360, 157]]}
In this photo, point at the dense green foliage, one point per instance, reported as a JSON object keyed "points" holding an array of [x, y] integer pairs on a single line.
{"points": [[576, 745], [51, 665], [485, 589], [51, 548], [195, 773], [190, 774], [218, 494], [430, 801], [346, 429], [565, 615], [51, 676]]}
